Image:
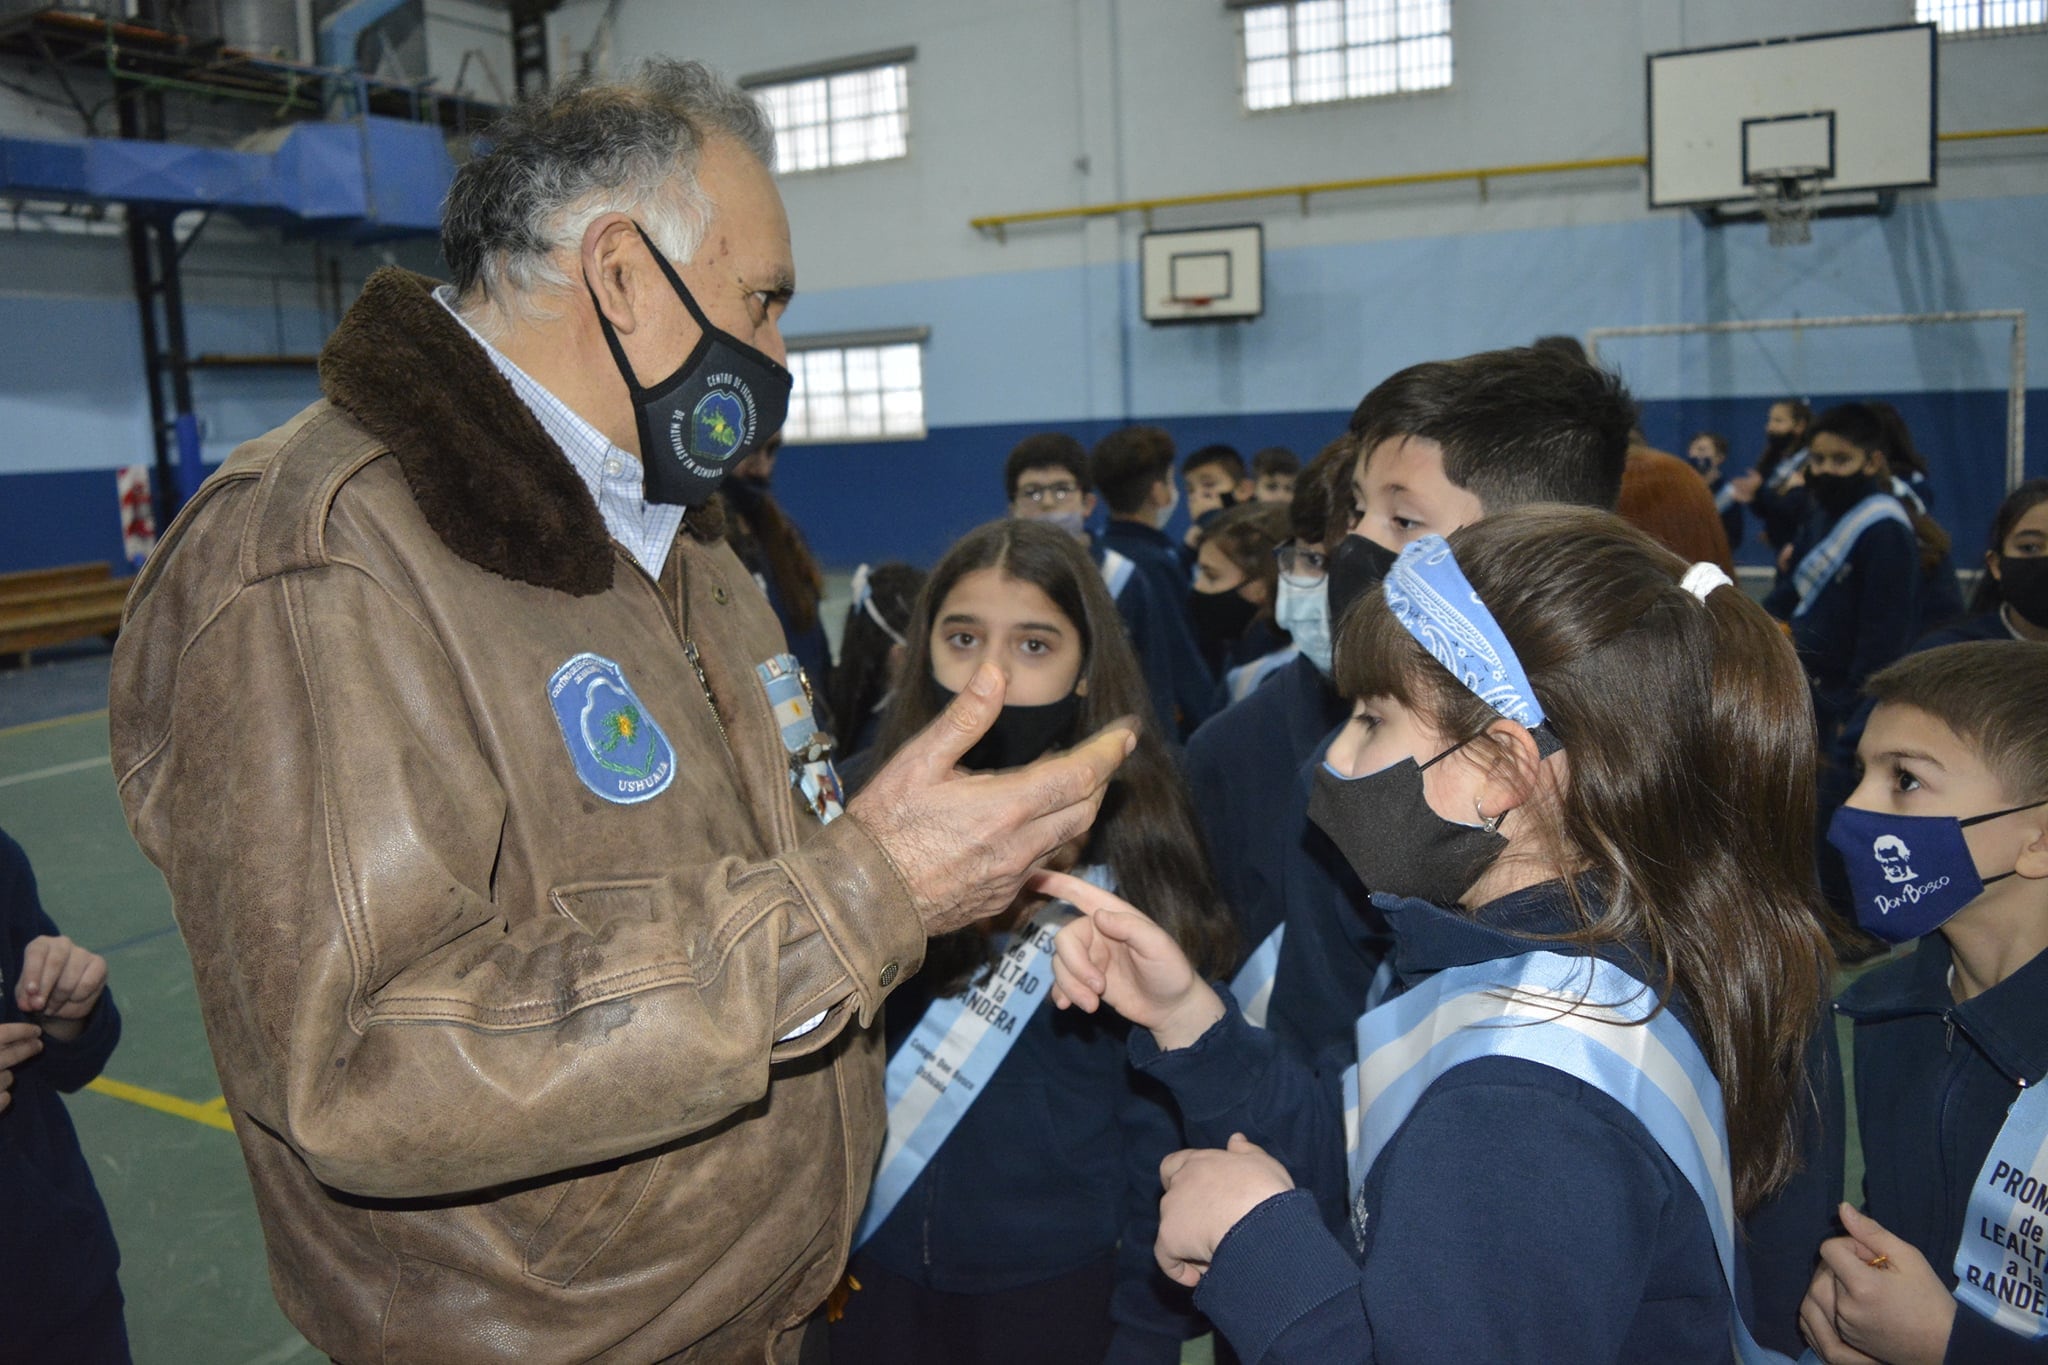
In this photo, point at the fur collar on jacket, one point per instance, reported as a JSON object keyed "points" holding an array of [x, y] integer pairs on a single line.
{"points": [[489, 481]]}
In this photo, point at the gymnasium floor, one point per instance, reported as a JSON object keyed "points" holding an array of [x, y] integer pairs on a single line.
{"points": [[153, 1126]]}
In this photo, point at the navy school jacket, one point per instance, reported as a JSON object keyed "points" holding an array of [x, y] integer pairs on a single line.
{"points": [[1862, 619], [1242, 768], [1336, 937], [1156, 556], [1517, 1215], [57, 1252], [1055, 1166], [1933, 1082], [1175, 677]]}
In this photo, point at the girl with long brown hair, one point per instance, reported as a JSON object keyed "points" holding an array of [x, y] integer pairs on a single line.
{"points": [[1013, 1212], [1579, 778]]}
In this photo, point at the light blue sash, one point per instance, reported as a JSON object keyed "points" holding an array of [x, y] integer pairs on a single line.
{"points": [[1242, 681], [939, 1072], [2002, 1261], [1782, 475], [1578, 1015], [1252, 987], [1116, 572], [1824, 560]]}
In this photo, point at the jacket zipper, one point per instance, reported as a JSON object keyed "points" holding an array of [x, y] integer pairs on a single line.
{"points": [[681, 626]]}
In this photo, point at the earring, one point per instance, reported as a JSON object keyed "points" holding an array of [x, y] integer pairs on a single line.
{"points": [[1489, 823]]}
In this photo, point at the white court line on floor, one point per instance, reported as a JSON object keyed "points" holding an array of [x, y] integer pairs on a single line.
{"points": [[79, 766]]}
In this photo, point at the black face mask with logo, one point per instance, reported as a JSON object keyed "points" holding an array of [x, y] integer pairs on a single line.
{"points": [[722, 403]]}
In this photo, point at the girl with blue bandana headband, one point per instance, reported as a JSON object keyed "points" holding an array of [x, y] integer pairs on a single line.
{"points": [[1569, 779]]}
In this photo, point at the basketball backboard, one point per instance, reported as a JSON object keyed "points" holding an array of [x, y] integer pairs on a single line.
{"points": [[1202, 274], [1851, 113]]}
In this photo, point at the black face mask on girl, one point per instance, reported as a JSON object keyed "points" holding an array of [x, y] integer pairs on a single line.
{"points": [[1020, 734], [1383, 826], [1220, 617], [1837, 493], [722, 403], [2023, 583]]}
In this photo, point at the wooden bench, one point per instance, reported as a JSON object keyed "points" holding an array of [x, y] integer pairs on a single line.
{"points": [[28, 582], [44, 607]]}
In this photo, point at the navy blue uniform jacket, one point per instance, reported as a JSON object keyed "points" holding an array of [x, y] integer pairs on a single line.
{"points": [[57, 1252], [1175, 677], [1518, 1214], [1862, 619], [1249, 771], [1242, 768], [1933, 1082], [1157, 559], [1055, 1166]]}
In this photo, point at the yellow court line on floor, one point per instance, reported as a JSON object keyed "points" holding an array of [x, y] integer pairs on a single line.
{"points": [[34, 725], [213, 1114]]}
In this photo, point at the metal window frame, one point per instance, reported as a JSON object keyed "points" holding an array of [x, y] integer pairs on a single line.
{"points": [[867, 338], [1243, 62]]}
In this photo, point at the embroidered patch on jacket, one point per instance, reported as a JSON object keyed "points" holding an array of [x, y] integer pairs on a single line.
{"points": [[811, 772], [618, 750]]}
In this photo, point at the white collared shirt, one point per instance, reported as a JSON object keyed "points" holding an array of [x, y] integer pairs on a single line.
{"points": [[612, 475]]}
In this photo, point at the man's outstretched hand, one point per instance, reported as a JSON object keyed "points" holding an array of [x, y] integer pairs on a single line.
{"points": [[966, 841]]}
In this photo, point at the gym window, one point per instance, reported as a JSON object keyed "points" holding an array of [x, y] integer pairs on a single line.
{"points": [[1314, 51], [1981, 16], [838, 113], [865, 386]]}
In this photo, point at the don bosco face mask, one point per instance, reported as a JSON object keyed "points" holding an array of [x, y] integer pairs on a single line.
{"points": [[1909, 874], [722, 403]]}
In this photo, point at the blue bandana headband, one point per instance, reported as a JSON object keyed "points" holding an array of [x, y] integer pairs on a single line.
{"points": [[1430, 597]]}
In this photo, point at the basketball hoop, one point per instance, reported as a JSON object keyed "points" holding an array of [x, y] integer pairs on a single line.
{"points": [[1788, 197]]}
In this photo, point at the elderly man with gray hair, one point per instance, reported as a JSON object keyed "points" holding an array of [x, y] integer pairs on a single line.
{"points": [[534, 947]]}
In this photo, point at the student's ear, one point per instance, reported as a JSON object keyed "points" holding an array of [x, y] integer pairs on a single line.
{"points": [[1246, 490], [1514, 767], [2033, 860], [1254, 590], [1991, 566], [1087, 506]]}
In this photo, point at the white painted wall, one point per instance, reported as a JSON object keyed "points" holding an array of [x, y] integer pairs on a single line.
{"points": [[1030, 104]]}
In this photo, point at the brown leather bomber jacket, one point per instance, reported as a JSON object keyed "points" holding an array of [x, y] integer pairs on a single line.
{"points": [[499, 1046]]}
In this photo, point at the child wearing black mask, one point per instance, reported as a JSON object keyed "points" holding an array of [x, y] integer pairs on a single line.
{"points": [[1236, 581], [1946, 840], [1852, 592], [1012, 1216], [1579, 776]]}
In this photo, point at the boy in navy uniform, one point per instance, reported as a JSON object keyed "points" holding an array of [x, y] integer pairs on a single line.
{"points": [[59, 1297], [1946, 839], [1243, 765], [1132, 469]]}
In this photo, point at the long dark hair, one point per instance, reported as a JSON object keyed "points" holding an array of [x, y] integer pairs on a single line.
{"points": [[2017, 504], [1690, 799], [1903, 457], [1145, 832], [861, 678], [757, 516]]}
